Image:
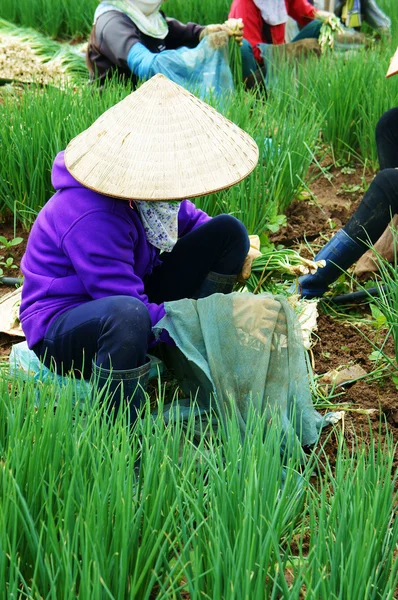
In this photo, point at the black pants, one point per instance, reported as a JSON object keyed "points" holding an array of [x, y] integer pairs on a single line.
{"points": [[380, 202], [116, 331]]}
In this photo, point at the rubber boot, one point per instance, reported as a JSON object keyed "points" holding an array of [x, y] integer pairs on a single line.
{"points": [[125, 388], [215, 283], [339, 253]]}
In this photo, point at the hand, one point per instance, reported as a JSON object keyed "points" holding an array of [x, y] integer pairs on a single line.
{"points": [[234, 27], [254, 252], [209, 29], [323, 15], [219, 39]]}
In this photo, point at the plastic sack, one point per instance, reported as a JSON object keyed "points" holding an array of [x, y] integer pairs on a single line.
{"points": [[25, 364], [204, 69]]}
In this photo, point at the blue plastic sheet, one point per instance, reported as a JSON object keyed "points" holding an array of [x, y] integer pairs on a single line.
{"points": [[204, 69]]}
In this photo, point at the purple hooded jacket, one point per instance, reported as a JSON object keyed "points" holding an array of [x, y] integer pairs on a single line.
{"points": [[84, 246]]}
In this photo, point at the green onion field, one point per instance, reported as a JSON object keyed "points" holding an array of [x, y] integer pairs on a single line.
{"points": [[188, 511]]}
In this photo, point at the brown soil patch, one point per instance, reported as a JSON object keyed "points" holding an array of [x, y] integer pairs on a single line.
{"points": [[343, 343], [334, 200]]}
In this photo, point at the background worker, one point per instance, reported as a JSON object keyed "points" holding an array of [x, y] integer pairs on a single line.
{"points": [[131, 37], [264, 25]]}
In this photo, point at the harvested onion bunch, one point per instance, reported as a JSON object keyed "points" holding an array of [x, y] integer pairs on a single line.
{"points": [[330, 27], [235, 55], [276, 263]]}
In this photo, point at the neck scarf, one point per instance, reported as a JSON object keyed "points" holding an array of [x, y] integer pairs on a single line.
{"points": [[160, 221], [144, 13], [273, 12]]}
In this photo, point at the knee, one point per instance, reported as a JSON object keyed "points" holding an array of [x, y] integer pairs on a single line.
{"points": [[387, 122], [313, 29], [386, 178], [127, 317], [386, 183], [233, 230]]}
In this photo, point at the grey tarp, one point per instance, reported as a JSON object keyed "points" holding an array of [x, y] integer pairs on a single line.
{"points": [[243, 350]]}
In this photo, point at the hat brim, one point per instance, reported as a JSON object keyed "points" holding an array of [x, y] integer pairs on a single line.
{"points": [[161, 143], [393, 68]]}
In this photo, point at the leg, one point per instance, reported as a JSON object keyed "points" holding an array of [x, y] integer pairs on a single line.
{"points": [[108, 337], [387, 139], [309, 31], [378, 206], [219, 246], [253, 74], [366, 225], [249, 64]]}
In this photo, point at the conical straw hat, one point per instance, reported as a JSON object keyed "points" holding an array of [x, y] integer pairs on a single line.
{"points": [[161, 143], [393, 70]]}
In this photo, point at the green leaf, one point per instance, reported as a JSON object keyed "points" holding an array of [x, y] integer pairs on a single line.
{"points": [[15, 241], [375, 356], [275, 223], [379, 317]]}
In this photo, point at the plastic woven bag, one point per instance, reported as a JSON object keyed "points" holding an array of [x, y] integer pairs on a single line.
{"points": [[244, 351]]}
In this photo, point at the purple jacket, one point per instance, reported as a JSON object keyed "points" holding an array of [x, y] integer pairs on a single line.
{"points": [[84, 246]]}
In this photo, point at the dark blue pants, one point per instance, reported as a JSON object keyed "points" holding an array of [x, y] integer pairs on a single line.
{"points": [[116, 331], [380, 201]]}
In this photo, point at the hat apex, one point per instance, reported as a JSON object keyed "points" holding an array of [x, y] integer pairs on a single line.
{"points": [[161, 143]]}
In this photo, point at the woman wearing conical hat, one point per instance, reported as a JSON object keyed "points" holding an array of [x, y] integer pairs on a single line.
{"points": [[135, 40], [120, 237]]}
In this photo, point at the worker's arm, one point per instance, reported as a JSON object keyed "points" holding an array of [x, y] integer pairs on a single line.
{"points": [[253, 24], [301, 11], [107, 269], [190, 217], [375, 17], [182, 35]]}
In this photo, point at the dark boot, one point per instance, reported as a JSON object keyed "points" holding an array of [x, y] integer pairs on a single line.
{"points": [[125, 388], [339, 253], [215, 283]]}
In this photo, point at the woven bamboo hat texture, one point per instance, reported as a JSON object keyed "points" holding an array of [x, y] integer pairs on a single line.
{"points": [[161, 143], [393, 69]]}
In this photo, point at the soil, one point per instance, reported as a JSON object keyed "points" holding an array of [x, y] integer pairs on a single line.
{"points": [[340, 342]]}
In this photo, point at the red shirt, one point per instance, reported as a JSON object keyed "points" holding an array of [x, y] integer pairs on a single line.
{"points": [[300, 10]]}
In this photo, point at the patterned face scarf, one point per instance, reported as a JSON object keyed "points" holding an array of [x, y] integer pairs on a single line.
{"points": [[144, 13], [160, 221], [272, 11]]}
